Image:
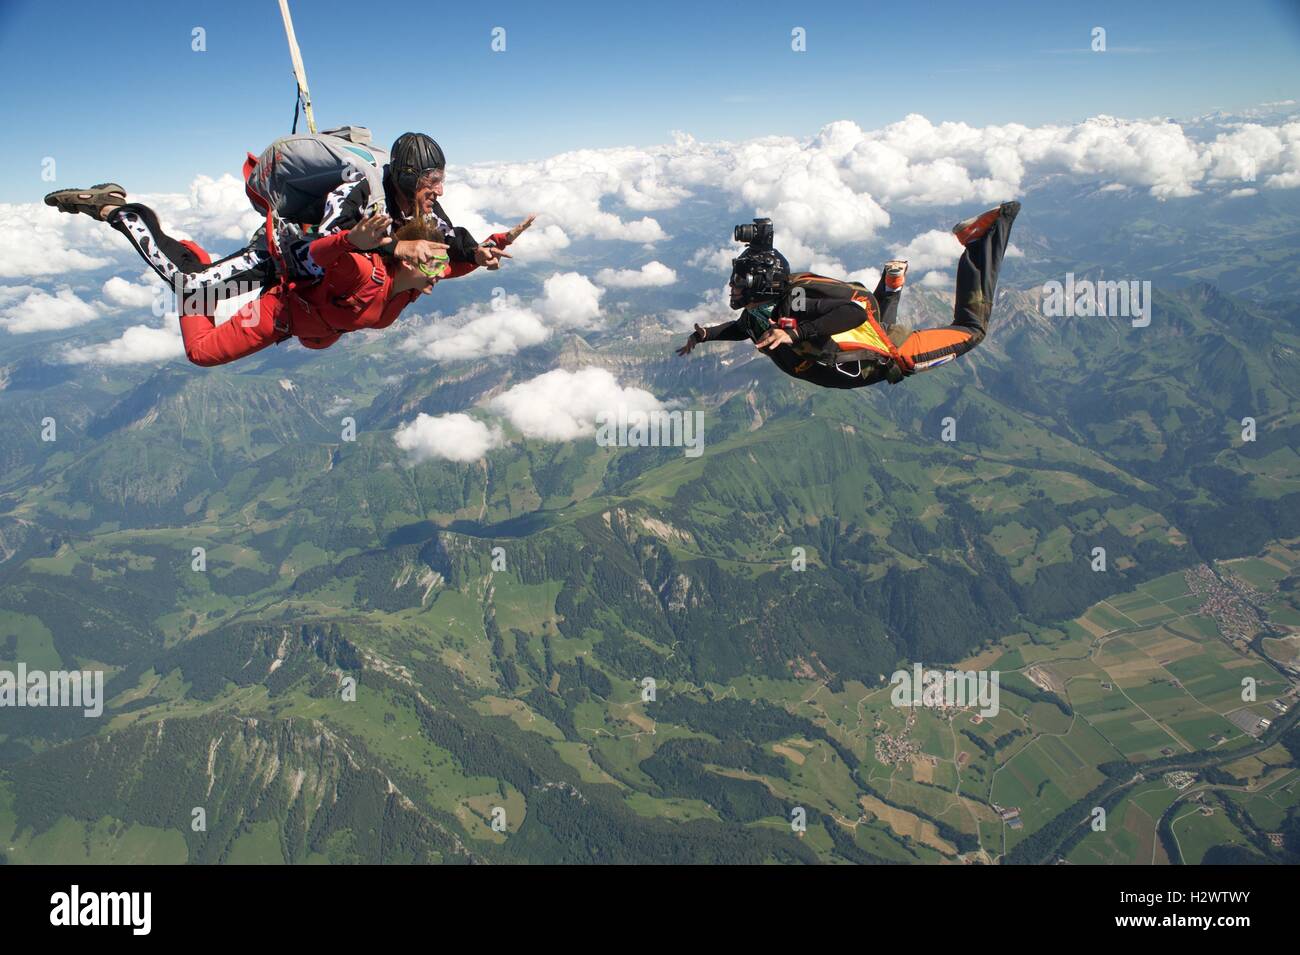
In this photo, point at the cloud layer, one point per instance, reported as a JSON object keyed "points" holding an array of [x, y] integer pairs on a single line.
{"points": [[650, 275], [28, 309], [827, 192], [508, 324]]}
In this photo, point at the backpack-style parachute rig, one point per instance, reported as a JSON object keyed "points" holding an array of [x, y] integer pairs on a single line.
{"points": [[809, 295], [292, 178], [290, 181]]}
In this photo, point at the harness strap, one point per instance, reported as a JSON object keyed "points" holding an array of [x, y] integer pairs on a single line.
{"points": [[900, 365], [282, 329], [901, 362]]}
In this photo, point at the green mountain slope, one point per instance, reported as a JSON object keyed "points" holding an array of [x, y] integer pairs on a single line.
{"points": [[501, 618]]}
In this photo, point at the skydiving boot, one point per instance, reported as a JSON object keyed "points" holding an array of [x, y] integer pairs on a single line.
{"points": [[90, 201], [968, 230], [895, 274]]}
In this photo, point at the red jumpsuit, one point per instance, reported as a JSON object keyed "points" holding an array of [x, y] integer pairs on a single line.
{"points": [[355, 293]]}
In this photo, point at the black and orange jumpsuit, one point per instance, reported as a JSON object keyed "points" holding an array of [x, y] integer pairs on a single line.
{"points": [[977, 277]]}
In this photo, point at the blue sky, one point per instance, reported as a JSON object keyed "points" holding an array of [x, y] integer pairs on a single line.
{"points": [[139, 106]]}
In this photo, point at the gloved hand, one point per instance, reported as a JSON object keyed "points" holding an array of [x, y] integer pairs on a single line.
{"points": [[697, 336]]}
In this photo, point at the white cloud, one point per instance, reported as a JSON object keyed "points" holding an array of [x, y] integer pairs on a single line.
{"points": [[1242, 154], [649, 275], [139, 344], [559, 405], [12, 293], [570, 300], [508, 325], [212, 209], [936, 249], [452, 437], [798, 184], [846, 177], [118, 291], [40, 311], [36, 241], [805, 258], [918, 163], [869, 277], [539, 243], [801, 256], [563, 405], [715, 260], [570, 189], [479, 332], [713, 310]]}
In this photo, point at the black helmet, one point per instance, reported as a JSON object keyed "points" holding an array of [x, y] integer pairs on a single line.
{"points": [[412, 155], [758, 275]]}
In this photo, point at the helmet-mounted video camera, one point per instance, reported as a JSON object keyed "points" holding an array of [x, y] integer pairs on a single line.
{"points": [[760, 273], [757, 234]]}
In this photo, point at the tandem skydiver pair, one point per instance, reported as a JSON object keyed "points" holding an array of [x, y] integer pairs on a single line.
{"points": [[353, 235]]}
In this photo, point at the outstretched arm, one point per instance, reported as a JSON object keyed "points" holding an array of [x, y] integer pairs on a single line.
{"points": [[733, 331], [726, 332], [459, 267], [491, 252]]}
